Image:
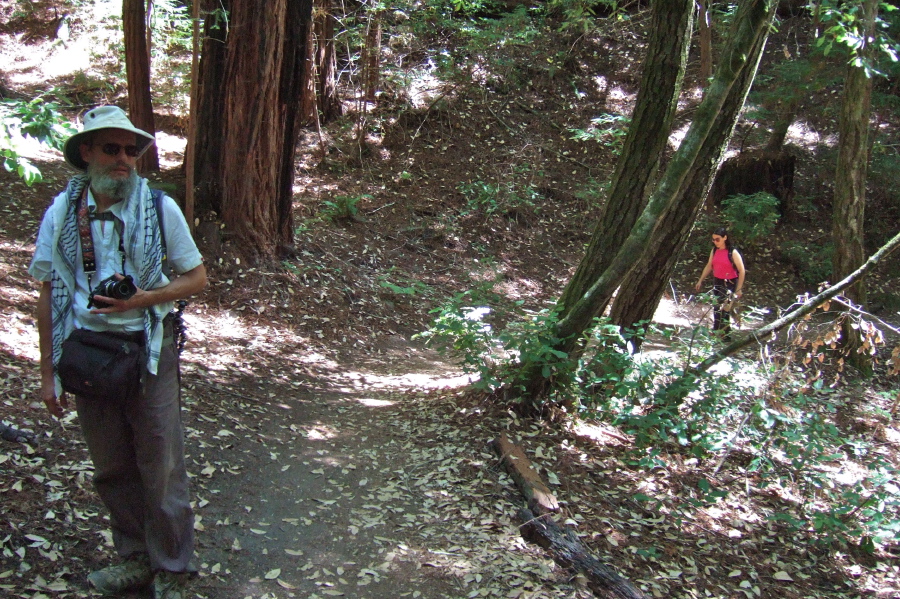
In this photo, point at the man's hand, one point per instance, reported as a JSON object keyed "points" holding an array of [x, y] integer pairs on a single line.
{"points": [[182, 286], [120, 305], [57, 406]]}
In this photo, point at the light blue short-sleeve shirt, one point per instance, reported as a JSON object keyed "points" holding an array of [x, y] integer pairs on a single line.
{"points": [[181, 251]]}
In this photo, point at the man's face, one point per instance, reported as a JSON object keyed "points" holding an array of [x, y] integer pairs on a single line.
{"points": [[111, 160], [102, 153]]}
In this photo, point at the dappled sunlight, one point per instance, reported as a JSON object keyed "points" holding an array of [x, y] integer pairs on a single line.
{"points": [[171, 150], [371, 402], [804, 135], [677, 136], [320, 433]]}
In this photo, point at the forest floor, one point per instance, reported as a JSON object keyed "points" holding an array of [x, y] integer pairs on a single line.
{"points": [[331, 453]]}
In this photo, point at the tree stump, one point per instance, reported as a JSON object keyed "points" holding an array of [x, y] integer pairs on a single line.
{"points": [[753, 172]]}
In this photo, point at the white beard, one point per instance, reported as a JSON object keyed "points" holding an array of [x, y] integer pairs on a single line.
{"points": [[103, 184]]}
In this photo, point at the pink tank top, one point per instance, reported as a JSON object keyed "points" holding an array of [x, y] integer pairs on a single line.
{"points": [[722, 267]]}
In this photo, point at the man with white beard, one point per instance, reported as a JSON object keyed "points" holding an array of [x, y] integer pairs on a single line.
{"points": [[99, 257]]}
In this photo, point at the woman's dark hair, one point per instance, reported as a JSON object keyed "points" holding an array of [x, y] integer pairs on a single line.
{"points": [[723, 232]]}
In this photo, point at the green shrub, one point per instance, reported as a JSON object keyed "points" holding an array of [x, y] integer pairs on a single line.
{"points": [[30, 118], [607, 129], [500, 197], [751, 217], [342, 207]]}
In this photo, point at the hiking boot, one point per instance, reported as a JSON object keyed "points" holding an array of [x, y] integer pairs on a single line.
{"points": [[170, 585], [133, 573]]}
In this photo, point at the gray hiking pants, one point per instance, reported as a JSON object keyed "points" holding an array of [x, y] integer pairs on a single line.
{"points": [[137, 446]]}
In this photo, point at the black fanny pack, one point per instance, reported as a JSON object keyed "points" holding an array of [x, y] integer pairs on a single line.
{"points": [[101, 366]]}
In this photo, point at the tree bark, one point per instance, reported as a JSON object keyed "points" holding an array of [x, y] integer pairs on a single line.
{"points": [[640, 292], [263, 84], [705, 40], [645, 143], [320, 90], [206, 115], [852, 162], [567, 550], [850, 179], [190, 157], [137, 68], [372, 53], [326, 65]]}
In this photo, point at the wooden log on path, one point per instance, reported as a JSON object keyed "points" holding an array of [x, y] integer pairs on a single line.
{"points": [[562, 543], [567, 551], [540, 499]]}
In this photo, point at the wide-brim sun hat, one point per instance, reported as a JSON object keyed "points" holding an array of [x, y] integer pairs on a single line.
{"points": [[103, 117]]}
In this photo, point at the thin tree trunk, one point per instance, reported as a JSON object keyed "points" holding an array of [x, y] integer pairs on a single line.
{"points": [[308, 100], [785, 118], [137, 67], [705, 40], [191, 151], [852, 163], [645, 143], [326, 64], [372, 67], [207, 113], [640, 292], [850, 180]]}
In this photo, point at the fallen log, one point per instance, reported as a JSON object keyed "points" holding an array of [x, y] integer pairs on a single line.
{"points": [[567, 551], [538, 527], [540, 499]]}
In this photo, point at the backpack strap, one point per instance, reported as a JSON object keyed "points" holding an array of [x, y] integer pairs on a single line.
{"points": [[158, 195]]}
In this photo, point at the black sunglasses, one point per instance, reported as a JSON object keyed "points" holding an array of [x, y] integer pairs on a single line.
{"points": [[112, 149]]}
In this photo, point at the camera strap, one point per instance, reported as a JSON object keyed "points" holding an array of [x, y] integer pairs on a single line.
{"points": [[85, 216]]}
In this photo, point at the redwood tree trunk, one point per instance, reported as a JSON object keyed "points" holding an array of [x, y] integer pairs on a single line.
{"points": [[326, 64], [850, 182], [137, 68], [263, 84], [208, 130], [705, 39], [372, 67], [852, 164], [644, 145]]}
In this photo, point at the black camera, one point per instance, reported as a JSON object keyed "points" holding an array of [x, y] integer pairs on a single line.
{"points": [[112, 287]]}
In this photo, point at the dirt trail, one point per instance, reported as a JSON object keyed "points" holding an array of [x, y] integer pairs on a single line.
{"points": [[353, 483]]}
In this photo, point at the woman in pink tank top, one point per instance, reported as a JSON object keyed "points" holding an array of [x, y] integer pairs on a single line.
{"points": [[728, 272]]}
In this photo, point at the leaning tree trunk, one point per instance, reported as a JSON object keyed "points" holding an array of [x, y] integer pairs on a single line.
{"points": [[639, 295], [850, 181], [262, 87], [137, 68], [645, 143], [206, 116], [751, 27]]}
